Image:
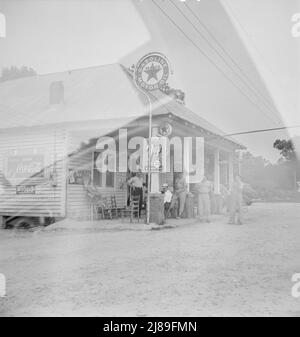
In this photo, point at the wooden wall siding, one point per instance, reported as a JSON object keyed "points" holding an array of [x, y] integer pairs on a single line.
{"points": [[78, 205], [47, 200]]}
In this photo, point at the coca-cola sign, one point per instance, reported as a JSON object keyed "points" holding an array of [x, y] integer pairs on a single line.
{"points": [[24, 166]]}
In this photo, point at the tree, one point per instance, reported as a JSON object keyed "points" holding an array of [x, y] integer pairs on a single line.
{"points": [[13, 72], [254, 170], [288, 150], [264, 176]]}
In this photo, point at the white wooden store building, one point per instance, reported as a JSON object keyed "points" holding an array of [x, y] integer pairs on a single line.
{"points": [[48, 131]]}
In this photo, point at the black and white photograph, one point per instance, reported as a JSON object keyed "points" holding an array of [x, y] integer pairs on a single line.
{"points": [[149, 161]]}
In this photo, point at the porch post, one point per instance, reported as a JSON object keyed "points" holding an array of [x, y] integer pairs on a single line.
{"points": [[217, 195], [230, 168], [240, 162], [217, 171], [226, 174]]}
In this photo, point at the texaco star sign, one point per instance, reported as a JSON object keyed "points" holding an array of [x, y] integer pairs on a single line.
{"points": [[152, 71]]}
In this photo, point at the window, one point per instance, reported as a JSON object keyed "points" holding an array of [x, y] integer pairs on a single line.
{"points": [[106, 179]]}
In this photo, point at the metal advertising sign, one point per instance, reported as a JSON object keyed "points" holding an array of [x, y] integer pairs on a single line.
{"points": [[152, 71], [25, 189]]}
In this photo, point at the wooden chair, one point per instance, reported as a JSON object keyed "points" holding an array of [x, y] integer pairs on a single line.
{"points": [[105, 209], [133, 209], [96, 211], [114, 208]]}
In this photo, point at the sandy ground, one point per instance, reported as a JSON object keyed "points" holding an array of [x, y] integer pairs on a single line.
{"points": [[198, 269]]}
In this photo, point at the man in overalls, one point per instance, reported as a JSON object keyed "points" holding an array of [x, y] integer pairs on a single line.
{"points": [[236, 201], [204, 189], [181, 192]]}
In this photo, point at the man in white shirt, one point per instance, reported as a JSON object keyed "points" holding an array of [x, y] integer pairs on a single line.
{"points": [[167, 198], [136, 188]]}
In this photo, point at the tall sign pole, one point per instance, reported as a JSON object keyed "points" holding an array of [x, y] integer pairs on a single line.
{"points": [[151, 73]]}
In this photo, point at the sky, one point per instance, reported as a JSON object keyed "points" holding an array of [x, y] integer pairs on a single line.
{"points": [[239, 66]]}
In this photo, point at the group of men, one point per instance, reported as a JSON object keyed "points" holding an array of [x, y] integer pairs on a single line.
{"points": [[178, 198], [174, 201], [231, 199]]}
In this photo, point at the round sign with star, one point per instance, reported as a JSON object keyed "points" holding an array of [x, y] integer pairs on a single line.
{"points": [[152, 71]]}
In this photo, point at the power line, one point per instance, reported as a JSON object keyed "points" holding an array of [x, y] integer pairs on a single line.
{"points": [[250, 39], [252, 87], [225, 61], [206, 56], [262, 130]]}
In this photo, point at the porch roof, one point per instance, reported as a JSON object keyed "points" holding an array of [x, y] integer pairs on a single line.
{"points": [[103, 93]]}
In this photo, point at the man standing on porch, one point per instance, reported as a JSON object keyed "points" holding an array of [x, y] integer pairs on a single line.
{"points": [[136, 184], [181, 191], [204, 189]]}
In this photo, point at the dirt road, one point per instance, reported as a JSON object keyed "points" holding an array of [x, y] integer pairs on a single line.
{"points": [[198, 269]]}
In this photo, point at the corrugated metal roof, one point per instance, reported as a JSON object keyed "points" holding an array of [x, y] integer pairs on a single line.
{"points": [[183, 112], [95, 93], [163, 104]]}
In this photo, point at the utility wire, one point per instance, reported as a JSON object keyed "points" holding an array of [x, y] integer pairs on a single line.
{"points": [[225, 61], [251, 85], [205, 55], [259, 53], [262, 130]]}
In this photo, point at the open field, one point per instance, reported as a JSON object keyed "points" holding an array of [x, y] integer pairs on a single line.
{"points": [[197, 269]]}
